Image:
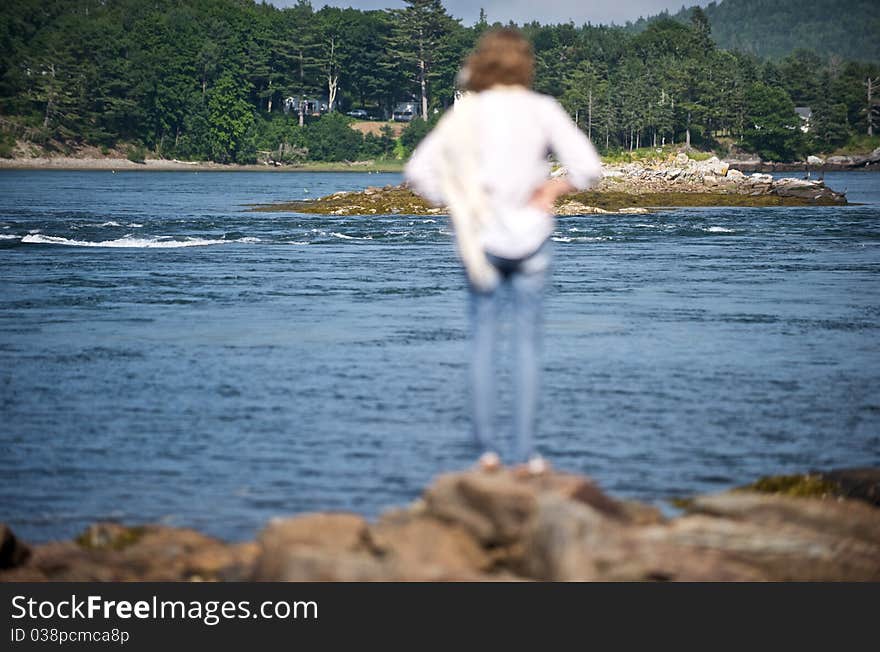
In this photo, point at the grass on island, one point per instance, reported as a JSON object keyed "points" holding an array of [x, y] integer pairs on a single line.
{"points": [[652, 155], [858, 144], [379, 201]]}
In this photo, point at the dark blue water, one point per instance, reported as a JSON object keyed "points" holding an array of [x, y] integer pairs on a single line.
{"points": [[213, 367]]}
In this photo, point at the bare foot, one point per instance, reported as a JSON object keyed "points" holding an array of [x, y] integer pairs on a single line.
{"points": [[536, 466], [489, 461]]}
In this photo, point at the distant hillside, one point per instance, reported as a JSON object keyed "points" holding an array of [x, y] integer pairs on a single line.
{"points": [[775, 28]]}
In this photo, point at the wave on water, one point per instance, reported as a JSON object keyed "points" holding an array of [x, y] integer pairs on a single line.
{"points": [[111, 223], [349, 237], [134, 243], [719, 229], [567, 239], [132, 225], [6, 236]]}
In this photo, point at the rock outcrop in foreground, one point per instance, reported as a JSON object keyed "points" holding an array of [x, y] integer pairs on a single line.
{"points": [[501, 526]]}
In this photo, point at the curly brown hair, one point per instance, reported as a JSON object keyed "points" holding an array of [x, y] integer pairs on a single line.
{"points": [[502, 56]]}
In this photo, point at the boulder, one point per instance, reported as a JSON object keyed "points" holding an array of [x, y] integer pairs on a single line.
{"points": [[174, 554], [861, 484], [840, 518], [812, 191], [572, 207], [404, 546], [343, 532], [495, 508], [719, 168], [842, 161], [815, 160], [488, 506], [314, 564], [65, 561], [108, 552], [780, 551], [568, 541], [317, 547], [426, 549], [798, 183], [13, 552]]}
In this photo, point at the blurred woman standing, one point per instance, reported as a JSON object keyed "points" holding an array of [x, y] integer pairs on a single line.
{"points": [[487, 161]]}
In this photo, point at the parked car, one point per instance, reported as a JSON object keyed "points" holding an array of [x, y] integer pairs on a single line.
{"points": [[404, 112], [358, 113]]}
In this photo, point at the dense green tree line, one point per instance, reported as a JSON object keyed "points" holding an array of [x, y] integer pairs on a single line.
{"points": [[208, 79], [846, 29]]}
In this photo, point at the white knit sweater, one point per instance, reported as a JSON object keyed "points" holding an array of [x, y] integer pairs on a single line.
{"points": [[484, 160]]}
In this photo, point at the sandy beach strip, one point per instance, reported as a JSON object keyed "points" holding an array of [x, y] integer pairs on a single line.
{"points": [[173, 165]]}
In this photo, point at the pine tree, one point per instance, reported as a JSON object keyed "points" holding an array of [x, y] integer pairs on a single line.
{"points": [[773, 128], [418, 31]]}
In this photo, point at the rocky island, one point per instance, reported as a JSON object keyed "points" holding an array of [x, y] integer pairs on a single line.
{"points": [[628, 188], [504, 525]]}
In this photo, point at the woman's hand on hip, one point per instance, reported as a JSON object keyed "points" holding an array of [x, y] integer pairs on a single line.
{"points": [[544, 197]]}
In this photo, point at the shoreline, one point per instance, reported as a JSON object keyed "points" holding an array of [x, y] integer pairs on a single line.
{"points": [[677, 181], [109, 164], [173, 165], [803, 168], [506, 524]]}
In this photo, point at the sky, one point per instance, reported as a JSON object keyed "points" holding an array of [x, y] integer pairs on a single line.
{"points": [[520, 11]]}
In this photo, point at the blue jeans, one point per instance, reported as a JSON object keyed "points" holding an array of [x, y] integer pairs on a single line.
{"points": [[525, 278]]}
